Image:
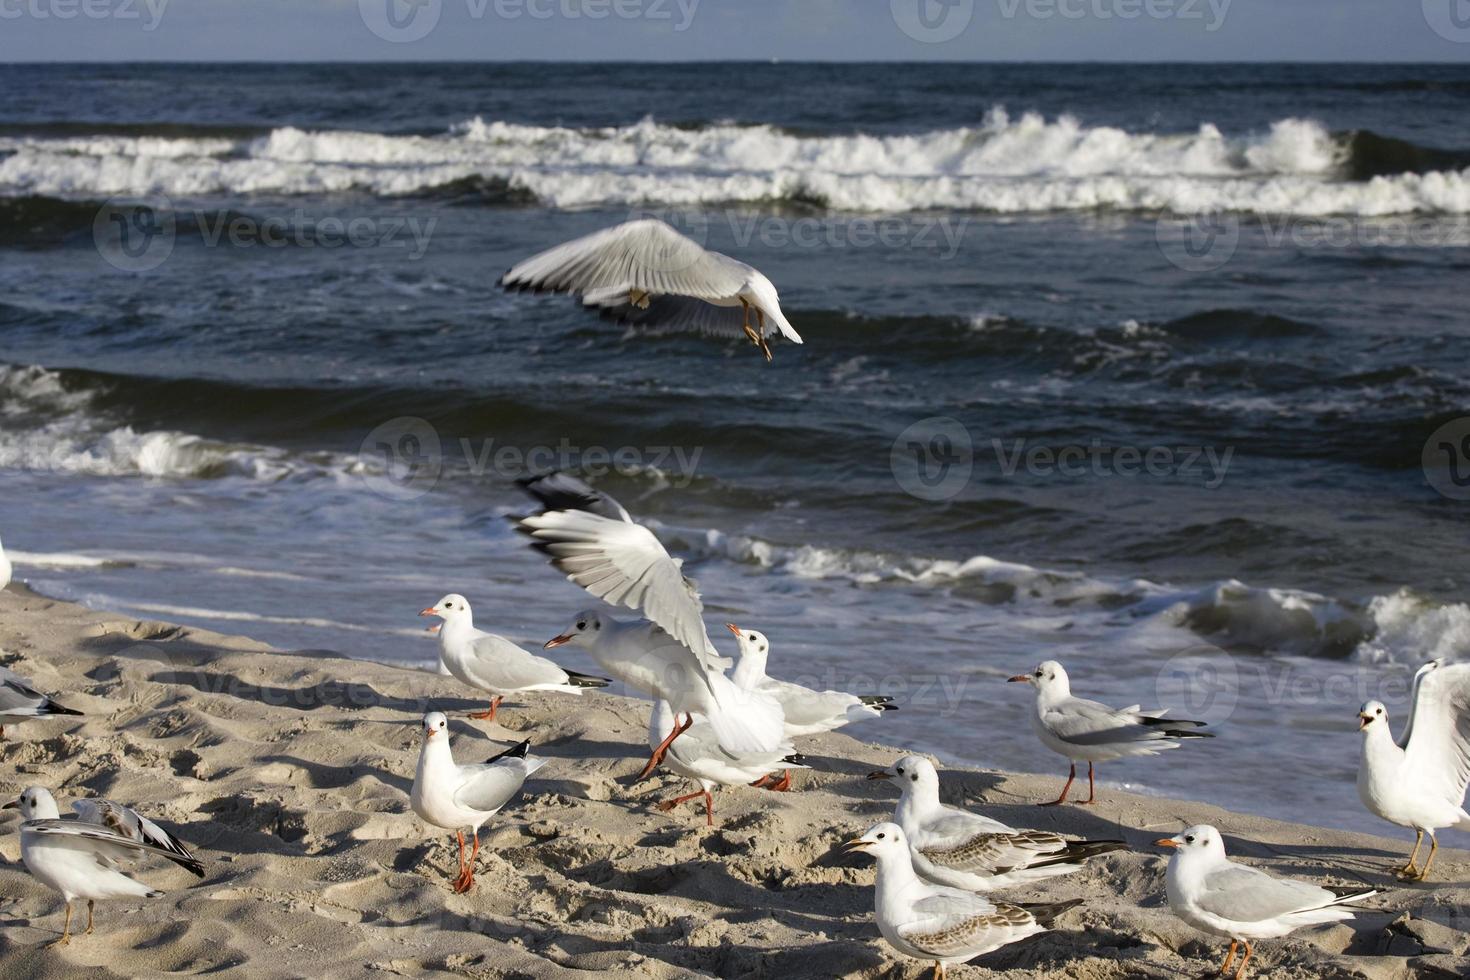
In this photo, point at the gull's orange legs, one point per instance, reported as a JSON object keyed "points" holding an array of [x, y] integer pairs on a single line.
{"points": [[490, 714], [1229, 958], [783, 784], [1240, 973], [680, 727], [1063, 798], [65, 939], [1091, 788], [466, 879], [709, 805]]}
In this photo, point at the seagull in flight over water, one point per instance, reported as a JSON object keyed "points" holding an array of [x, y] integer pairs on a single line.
{"points": [[646, 274]]}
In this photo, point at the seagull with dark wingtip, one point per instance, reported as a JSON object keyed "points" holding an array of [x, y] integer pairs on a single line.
{"points": [[1092, 732]]}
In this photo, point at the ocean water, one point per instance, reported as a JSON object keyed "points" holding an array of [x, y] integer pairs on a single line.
{"points": [[1153, 370]]}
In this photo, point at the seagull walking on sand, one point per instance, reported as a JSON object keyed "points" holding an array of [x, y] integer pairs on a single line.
{"points": [[79, 856], [954, 847], [644, 273], [1231, 901], [937, 923], [807, 712], [670, 656], [494, 664], [1091, 732], [460, 798], [4, 568], [1419, 781], [698, 756], [19, 702]]}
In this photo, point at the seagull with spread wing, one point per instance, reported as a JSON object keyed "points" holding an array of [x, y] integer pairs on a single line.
{"points": [[955, 847], [1419, 781], [669, 655], [79, 856], [644, 273]]}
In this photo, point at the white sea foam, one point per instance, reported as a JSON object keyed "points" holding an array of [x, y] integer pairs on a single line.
{"points": [[48, 427], [1007, 164]]}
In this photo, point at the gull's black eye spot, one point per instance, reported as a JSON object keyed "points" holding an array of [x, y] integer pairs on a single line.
{"points": [[1189, 840], [915, 777], [900, 770], [597, 625], [581, 626], [880, 836], [1378, 712]]}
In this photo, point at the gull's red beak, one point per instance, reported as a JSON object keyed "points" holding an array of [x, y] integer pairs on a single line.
{"points": [[733, 628], [1364, 721], [1165, 842], [428, 612], [1022, 678], [880, 774], [557, 641]]}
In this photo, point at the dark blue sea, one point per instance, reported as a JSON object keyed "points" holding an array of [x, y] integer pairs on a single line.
{"points": [[1156, 370]]}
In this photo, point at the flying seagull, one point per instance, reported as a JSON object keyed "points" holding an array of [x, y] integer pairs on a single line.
{"points": [[644, 273]]}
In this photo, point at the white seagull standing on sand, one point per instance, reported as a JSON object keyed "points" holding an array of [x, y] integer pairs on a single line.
{"points": [[1091, 732], [1219, 897], [954, 847], [697, 755], [670, 656], [4, 568], [1419, 781], [807, 712], [460, 798], [19, 702], [78, 856], [937, 923], [494, 664], [645, 273]]}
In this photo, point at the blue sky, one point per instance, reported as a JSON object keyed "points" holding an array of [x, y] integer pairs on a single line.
{"points": [[661, 30]]}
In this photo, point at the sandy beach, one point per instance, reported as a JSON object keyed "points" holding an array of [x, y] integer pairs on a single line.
{"points": [[288, 774]]}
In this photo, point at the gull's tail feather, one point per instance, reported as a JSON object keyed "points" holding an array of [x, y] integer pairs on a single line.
{"points": [[1080, 850], [586, 680], [1046, 914], [52, 708], [517, 751], [876, 700]]}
